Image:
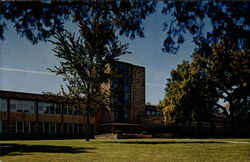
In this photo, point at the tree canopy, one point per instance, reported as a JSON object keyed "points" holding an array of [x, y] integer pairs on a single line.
{"points": [[219, 74], [207, 21], [38, 21], [228, 20]]}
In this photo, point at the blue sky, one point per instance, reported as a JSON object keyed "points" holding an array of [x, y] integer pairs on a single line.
{"points": [[23, 67]]}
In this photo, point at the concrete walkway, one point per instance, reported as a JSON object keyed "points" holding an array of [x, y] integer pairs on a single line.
{"points": [[235, 142]]}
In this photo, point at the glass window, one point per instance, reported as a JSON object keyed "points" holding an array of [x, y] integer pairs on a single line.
{"points": [[76, 128], [40, 107], [69, 110], [4, 126], [22, 106], [40, 127], [12, 127], [25, 106], [80, 128], [52, 128], [32, 127], [46, 127], [46, 107], [13, 105], [58, 128], [58, 108], [32, 106], [52, 108], [65, 110], [19, 127], [26, 127], [19, 106], [66, 128], [3, 104], [148, 112], [71, 127]]}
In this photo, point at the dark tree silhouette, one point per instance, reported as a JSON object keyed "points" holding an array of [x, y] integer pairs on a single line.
{"points": [[229, 20], [194, 89], [38, 21]]}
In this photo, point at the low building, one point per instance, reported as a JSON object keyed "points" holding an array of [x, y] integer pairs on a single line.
{"points": [[38, 114]]}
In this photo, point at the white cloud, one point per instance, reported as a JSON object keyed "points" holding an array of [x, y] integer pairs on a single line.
{"points": [[26, 71]]}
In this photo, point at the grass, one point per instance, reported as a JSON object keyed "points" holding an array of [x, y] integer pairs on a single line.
{"points": [[126, 150]]}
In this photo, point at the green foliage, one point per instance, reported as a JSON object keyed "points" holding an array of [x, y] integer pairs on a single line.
{"points": [[186, 93], [83, 61], [219, 72]]}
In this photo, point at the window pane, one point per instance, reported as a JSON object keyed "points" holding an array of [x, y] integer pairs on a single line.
{"points": [[46, 108], [71, 128], [46, 127], [4, 126], [12, 127], [26, 126], [32, 106], [19, 127], [25, 106], [40, 107], [13, 105], [19, 106], [32, 127], [58, 108], [52, 107], [40, 127], [52, 128], [76, 128], [43, 107], [65, 110], [3, 104], [58, 128], [69, 110], [66, 128], [80, 128]]}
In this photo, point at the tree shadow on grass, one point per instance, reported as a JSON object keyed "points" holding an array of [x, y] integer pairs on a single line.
{"points": [[166, 142], [20, 149]]}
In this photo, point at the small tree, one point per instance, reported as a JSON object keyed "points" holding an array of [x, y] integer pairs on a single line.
{"points": [[84, 64]]}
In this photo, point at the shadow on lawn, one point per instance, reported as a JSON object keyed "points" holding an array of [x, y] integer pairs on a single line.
{"points": [[166, 142], [20, 149]]}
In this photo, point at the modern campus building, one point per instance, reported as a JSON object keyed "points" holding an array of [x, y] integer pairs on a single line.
{"points": [[38, 114]]}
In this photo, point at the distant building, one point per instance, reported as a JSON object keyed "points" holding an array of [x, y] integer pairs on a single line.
{"points": [[152, 110], [26, 113]]}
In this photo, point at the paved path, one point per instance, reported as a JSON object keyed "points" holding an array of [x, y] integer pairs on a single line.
{"points": [[222, 141], [235, 142]]}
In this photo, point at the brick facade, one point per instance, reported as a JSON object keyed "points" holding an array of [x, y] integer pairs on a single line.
{"points": [[137, 93]]}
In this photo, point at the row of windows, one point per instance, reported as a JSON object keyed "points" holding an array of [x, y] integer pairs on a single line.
{"points": [[22, 106], [148, 112], [43, 127], [29, 107]]}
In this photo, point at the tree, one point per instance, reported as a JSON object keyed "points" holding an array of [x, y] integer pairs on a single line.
{"points": [[216, 73], [84, 64], [229, 72], [228, 20], [186, 92], [38, 21]]}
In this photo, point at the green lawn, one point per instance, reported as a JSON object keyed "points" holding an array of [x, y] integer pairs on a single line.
{"points": [[126, 150]]}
